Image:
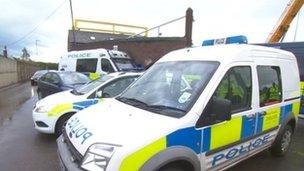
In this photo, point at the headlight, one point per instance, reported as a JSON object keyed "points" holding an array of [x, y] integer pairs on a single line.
{"points": [[97, 157], [43, 109]]}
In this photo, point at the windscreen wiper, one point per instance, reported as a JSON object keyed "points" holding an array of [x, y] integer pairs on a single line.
{"points": [[74, 91], [132, 101], [163, 107]]}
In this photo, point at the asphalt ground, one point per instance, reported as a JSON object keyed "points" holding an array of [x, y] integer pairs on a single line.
{"points": [[23, 148]]}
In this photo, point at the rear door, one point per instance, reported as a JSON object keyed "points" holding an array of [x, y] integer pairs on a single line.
{"points": [[226, 142], [269, 101], [55, 83], [44, 85]]}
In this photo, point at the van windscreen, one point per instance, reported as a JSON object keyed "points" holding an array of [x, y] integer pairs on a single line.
{"points": [[170, 88], [124, 64]]}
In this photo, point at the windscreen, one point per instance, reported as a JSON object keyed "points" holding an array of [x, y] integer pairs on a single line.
{"points": [[39, 73], [72, 78], [124, 64], [170, 88], [91, 85]]}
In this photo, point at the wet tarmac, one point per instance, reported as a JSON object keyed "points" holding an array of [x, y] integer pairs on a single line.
{"points": [[23, 148], [11, 98]]}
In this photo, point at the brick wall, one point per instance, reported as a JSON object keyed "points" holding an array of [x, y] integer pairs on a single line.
{"points": [[13, 71]]}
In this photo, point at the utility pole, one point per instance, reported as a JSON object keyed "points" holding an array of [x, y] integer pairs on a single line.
{"points": [[73, 26], [37, 47]]}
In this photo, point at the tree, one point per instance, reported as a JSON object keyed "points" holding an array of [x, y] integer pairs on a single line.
{"points": [[25, 54]]}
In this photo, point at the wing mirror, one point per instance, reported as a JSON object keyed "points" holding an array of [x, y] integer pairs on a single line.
{"points": [[218, 110], [99, 94]]}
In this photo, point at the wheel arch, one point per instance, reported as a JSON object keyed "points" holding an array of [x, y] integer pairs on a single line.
{"points": [[63, 116], [289, 120], [172, 155]]}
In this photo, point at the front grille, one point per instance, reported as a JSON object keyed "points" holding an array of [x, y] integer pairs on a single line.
{"points": [[76, 156]]}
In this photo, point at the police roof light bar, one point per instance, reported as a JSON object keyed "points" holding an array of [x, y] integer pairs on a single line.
{"points": [[228, 40]]}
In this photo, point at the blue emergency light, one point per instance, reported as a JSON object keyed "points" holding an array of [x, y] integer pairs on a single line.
{"points": [[228, 40]]}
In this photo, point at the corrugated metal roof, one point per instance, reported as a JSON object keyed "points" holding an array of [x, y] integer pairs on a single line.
{"points": [[88, 37]]}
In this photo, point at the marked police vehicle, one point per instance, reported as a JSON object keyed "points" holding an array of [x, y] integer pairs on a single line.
{"points": [[97, 62], [242, 100], [50, 113]]}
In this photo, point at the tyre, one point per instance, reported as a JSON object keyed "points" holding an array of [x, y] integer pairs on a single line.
{"points": [[177, 166], [61, 123], [282, 142]]}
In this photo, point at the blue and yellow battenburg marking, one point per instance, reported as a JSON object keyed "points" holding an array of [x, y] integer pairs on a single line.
{"points": [[302, 98], [213, 137], [66, 107]]}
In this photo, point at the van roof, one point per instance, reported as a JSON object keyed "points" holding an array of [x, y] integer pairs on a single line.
{"points": [[228, 53], [101, 52]]}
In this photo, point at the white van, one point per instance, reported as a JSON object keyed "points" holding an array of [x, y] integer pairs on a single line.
{"points": [[97, 62], [242, 100]]}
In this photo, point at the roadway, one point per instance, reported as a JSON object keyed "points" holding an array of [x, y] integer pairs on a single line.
{"points": [[23, 148]]}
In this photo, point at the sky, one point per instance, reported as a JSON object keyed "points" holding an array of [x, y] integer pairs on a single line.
{"points": [[42, 26]]}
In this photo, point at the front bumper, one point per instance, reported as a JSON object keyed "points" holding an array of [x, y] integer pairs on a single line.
{"points": [[43, 123], [65, 156]]}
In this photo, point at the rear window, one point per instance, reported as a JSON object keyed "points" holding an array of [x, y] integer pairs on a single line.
{"points": [[86, 65], [70, 78], [270, 85]]}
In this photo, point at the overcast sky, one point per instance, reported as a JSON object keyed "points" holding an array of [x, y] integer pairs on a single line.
{"points": [[213, 19]]}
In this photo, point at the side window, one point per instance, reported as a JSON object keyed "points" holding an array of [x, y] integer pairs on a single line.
{"points": [[55, 79], [236, 86], [47, 77], [106, 65], [86, 65], [270, 86], [115, 88]]}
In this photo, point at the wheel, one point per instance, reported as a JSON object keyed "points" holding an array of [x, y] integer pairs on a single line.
{"points": [[282, 142], [172, 168], [177, 166], [61, 123], [39, 94]]}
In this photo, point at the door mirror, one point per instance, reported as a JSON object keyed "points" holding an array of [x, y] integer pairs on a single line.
{"points": [[98, 94], [217, 110]]}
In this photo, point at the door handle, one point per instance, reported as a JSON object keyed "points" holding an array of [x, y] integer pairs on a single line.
{"points": [[263, 113], [250, 116]]}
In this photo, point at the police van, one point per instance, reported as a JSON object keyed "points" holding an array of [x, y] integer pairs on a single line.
{"points": [[242, 100], [97, 62]]}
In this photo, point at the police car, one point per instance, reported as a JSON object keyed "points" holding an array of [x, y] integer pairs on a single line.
{"points": [[97, 62], [242, 100], [50, 113]]}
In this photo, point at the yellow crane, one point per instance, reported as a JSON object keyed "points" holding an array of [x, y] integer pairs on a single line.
{"points": [[286, 18]]}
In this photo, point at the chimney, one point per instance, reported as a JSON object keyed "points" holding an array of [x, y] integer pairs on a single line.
{"points": [[5, 52], [188, 29]]}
